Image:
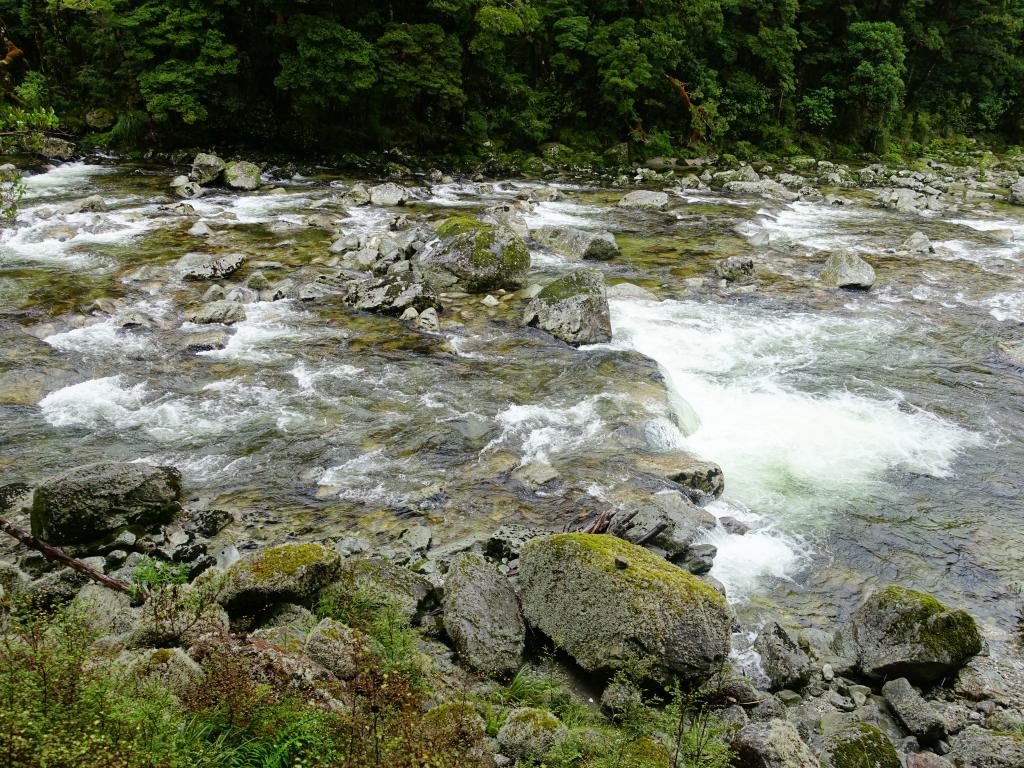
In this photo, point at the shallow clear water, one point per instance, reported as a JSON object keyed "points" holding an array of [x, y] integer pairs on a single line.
{"points": [[867, 437]]}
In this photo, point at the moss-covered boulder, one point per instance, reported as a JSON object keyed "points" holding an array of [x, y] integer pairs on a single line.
{"points": [[899, 632], [481, 615], [290, 573], [410, 593], [92, 501], [573, 308], [529, 732], [612, 606], [336, 647], [242, 175], [773, 744], [475, 256], [975, 747], [576, 243], [863, 746], [206, 168]]}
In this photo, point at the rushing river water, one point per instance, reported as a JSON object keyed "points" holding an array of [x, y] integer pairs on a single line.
{"points": [[867, 437]]}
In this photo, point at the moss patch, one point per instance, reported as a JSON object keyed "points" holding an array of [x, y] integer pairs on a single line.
{"points": [[286, 560], [458, 225], [921, 618], [863, 747]]}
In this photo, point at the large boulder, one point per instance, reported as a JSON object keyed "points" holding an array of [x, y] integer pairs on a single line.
{"points": [[666, 520], [242, 175], [206, 168], [222, 312], [1017, 192], [481, 615], [475, 256], [900, 632], [390, 295], [388, 194], [206, 266], [860, 746], [573, 308], [578, 243], [644, 199], [292, 573], [53, 148], [610, 604], [977, 748], [847, 270], [410, 593], [92, 501], [336, 647], [785, 663], [772, 744]]}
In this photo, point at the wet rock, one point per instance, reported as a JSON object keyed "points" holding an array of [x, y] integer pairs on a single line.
{"points": [[506, 542], [698, 559], [902, 632], [206, 341], [391, 295], [200, 229], [91, 204], [786, 665], [53, 148], [356, 196], [1017, 192], [289, 573], [204, 266], [734, 268], [630, 291], [206, 169], [427, 320], [762, 188], [918, 716], [336, 647], [847, 270], [977, 748], [242, 175], [860, 745], [609, 603], [665, 520], [89, 502], [474, 256], [918, 243], [481, 616], [388, 194], [573, 308], [223, 312], [529, 733], [578, 243], [686, 470], [644, 199], [773, 744], [927, 760], [189, 190], [734, 526]]}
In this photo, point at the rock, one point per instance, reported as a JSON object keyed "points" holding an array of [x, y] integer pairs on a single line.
{"points": [[735, 527], [427, 320], [223, 312], [578, 243], [89, 502], [573, 308], [285, 638], [410, 593], [684, 469], [630, 291], [761, 188], [918, 716], [292, 616], [206, 341], [847, 270], [388, 194], [336, 647], [206, 169], [189, 190], [621, 698], [905, 633], [977, 748], [786, 665], [772, 744], [861, 746], [91, 204], [678, 522], [474, 256], [734, 268], [1017, 192], [53, 148], [481, 616], [644, 199], [104, 611], [242, 175], [918, 243], [390, 295], [927, 760], [506, 542], [607, 617], [171, 668], [528, 733], [204, 266], [289, 573], [258, 282], [699, 559]]}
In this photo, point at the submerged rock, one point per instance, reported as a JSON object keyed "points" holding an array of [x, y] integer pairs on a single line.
{"points": [[242, 175], [89, 502], [899, 632], [847, 270], [644, 199], [223, 312], [481, 615], [610, 604], [205, 266], [475, 256], [573, 308], [578, 243], [206, 168]]}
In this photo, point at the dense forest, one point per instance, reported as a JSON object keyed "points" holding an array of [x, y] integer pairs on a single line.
{"points": [[443, 75]]}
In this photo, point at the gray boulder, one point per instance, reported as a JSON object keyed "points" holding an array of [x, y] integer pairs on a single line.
{"points": [[53, 148], [223, 312], [481, 615], [847, 270], [900, 632], [528, 733], [578, 243], [92, 501], [917, 715], [772, 744], [206, 168], [918, 243], [188, 190], [644, 199], [786, 665], [761, 188], [977, 748], [474, 256], [336, 647], [242, 175], [388, 194], [1017, 192], [573, 308], [734, 268], [390, 295], [290, 573], [666, 520], [205, 266], [610, 604], [859, 745], [410, 593]]}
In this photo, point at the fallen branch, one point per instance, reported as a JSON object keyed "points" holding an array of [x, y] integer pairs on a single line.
{"points": [[57, 555]]}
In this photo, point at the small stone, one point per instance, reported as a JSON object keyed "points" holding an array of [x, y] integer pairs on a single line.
{"points": [[789, 698], [621, 563], [489, 301]]}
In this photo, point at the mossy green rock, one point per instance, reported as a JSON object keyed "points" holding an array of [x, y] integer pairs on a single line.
{"points": [[613, 606], [899, 632], [864, 746], [92, 501], [290, 573], [475, 256], [529, 732], [573, 308], [242, 175]]}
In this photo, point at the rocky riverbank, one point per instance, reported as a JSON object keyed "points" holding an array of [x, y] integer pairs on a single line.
{"points": [[413, 473]]}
